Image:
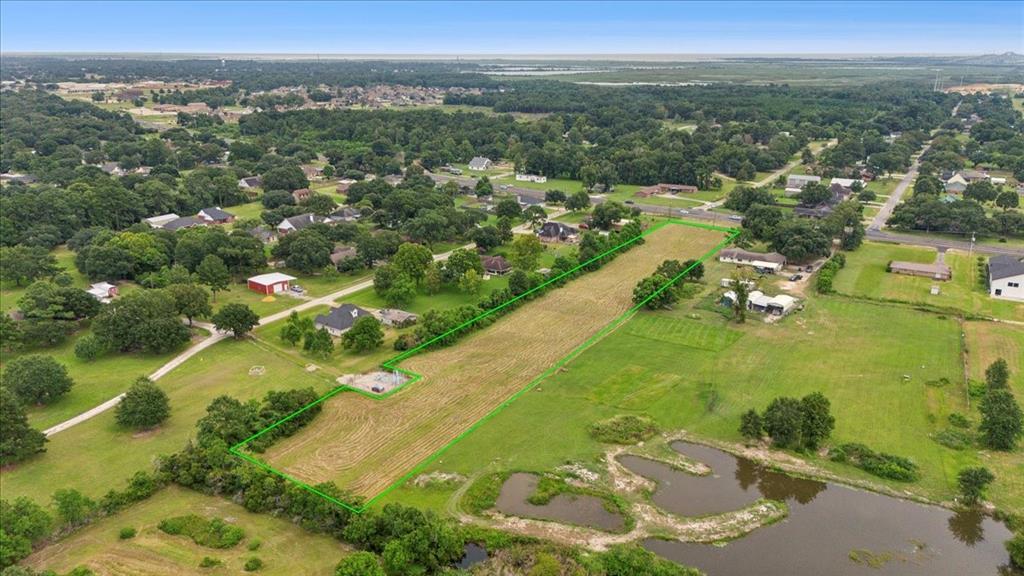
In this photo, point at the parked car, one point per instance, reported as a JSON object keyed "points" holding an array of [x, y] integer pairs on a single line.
{"points": [[629, 202], [736, 218], [296, 288], [796, 277]]}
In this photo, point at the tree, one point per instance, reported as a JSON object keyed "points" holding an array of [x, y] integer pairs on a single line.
{"points": [[554, 196], [191, 301], [762, 220], [509, 208], [972, 483], [212, 272], [982, 191], [647, 293], [36, 379], [11, 333], [459, 261], [535, 215], [401, 292], [751, 425], [800, 240], [73, 507], [238, 318], [928, 185], [694, 270], [289, 177], [997, 375], [144, 406], [365, 335], [89, 348], [1008, 199], [806, 157], [142, 320], [26, 263], [783, 421], [580, 200], [814, 193], [306, 250], [741, 288], [469, 282], [432, 279], [412, 260], [486, 238], [818, 422], [360, 564], [483, 187], [525, 252], [1001, 420], [318, 343], [24, 523], [18, 440]]}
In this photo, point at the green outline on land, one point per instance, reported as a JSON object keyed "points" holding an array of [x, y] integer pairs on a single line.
{"points": [[392, 364]]}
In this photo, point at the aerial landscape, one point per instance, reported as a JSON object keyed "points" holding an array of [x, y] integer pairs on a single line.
{"points": [[511, 288]]}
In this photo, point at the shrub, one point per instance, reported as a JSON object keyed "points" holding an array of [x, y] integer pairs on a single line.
{"points": [[144, 406], [1015, 546], [253, 564], [959, 420], [254, 545], [208, 562], [212, 533], [953, 438], [878, 463], [627, 429], [126, 533], [406, 342]]}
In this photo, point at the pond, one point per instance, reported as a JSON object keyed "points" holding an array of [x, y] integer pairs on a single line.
{"points": [[472, 554], [831, 529], [580, 510]]}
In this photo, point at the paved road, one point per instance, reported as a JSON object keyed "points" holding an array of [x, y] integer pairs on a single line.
{"points": [[941, 243], [878, 222]]}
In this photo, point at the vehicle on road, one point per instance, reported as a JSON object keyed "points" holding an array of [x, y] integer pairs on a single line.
{"points": [[796, 277]]}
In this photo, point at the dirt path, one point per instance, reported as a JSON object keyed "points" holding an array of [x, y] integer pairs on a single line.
{"points": [[365, 444]]}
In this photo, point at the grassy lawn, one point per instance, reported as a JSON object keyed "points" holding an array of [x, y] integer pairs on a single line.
{"points": [[95, 382], [152, 552], [689, 369], [883, 186], [98, 454], [865, 275], [315, 286], [448, 297], [248, 211], [10, 292]]}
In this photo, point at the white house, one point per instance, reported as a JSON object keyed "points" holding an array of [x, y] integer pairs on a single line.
{"points": [[479, 163], [102, 291], [847, 182], [957, 184], [1006, 278], [801, 180], [767, 261], [161, 220], [531, 178]]}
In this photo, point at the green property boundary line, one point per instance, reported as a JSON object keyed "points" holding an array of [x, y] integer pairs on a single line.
{"points": [[392, 364]]}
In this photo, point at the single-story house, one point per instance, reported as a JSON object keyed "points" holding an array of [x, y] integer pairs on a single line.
{"points": [[956, 184], [526, 201], [299, 222], [394, 179], [496, 265], [262, 233], [250, 182], [935, 271], [112, 168], [343, 185], [768, 261], [479, 163], [757, 301], [997, 180], [531, 178], [557, 232], [270, 283], [183, 223], [312, 172], [345, 214], [339, 319], [801, 180], [342, 253], [451, 170], [973, 175], [658, 189], [102, 291], [1006, 277], [161, 220], [301, 194], [847, 182], [395, 318], [819, 211], [215, 215]]}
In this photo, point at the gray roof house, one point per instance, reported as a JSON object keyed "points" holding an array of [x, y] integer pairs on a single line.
{"points": [[345, 214], [1006, 277], [480, 163], [299, 222], [250, 182], [183, 223], [340, 319], [215, 215], [557, 232]]}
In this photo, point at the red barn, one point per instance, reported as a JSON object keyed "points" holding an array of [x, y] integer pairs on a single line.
{"points": [[271, 283]]}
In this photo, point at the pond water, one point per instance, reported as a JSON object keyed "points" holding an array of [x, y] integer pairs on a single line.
{"points": [[472, 554], [831, 529], [567, 508]]}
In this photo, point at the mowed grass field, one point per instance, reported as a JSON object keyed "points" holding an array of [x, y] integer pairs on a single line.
{"points": [[865, 275], [881, 365], [98, 455], [153, 553], [365, 444]]}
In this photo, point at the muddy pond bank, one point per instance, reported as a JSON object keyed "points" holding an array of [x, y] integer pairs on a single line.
{"points": [[830, 529]]}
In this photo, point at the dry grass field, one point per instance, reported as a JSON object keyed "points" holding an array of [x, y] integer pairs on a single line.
{"points": [[364, 444]]}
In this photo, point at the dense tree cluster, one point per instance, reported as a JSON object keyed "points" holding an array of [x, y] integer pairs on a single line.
{"points": [[791, 423]]}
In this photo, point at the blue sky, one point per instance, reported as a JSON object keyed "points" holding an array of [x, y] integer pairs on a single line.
{"points": [[513, 27]]}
